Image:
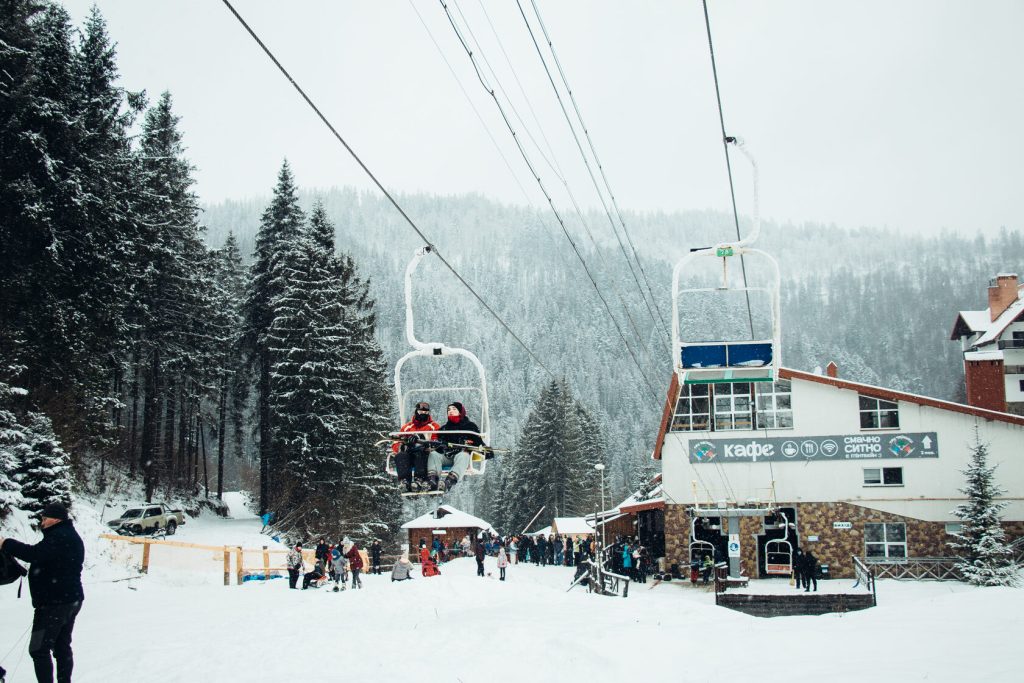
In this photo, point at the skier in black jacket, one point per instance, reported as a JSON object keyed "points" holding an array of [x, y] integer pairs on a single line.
{"points": [[810, 571], [55, 582], [457, 458]]}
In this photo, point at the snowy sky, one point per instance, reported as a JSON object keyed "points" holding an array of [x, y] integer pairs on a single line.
{"points": [[879, 112]]}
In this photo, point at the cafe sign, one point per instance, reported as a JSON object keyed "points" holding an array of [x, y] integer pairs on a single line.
{"points": [[808, 448]]}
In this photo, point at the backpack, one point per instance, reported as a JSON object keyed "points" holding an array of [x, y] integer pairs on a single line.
{"points": [[10, 569]]}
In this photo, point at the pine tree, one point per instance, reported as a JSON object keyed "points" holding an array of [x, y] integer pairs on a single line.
{"points": [[44, 471], [984, 559], [280, 227], [12, 439]]}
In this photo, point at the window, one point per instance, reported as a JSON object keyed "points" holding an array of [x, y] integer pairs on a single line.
{"points": [[153, 512], [733, 407], [883, 476], [1013, 369], [885, 541], [693, 409], [774, 408], [953, 528], [1021, 384], [877, 413]]}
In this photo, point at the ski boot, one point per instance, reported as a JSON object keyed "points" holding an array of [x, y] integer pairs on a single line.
{"points": [[419, 485], [432, 482], [407, 486], [450, 481]]}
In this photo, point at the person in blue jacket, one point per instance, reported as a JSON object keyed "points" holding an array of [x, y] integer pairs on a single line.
{"points": [[55, 582]]}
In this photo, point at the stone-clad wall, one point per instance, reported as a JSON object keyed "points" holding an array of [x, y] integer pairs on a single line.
{"points": [[834, 547]]}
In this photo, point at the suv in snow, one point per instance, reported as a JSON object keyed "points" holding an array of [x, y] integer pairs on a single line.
{"points": [[148, 518]]}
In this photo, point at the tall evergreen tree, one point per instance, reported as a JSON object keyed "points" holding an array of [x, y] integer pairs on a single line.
{"points": [[12, 440], [279, 230], [44, 471], [984, 557], [552, 465]]}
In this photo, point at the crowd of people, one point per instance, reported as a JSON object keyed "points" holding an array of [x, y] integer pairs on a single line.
{"points": [[335, 563]]}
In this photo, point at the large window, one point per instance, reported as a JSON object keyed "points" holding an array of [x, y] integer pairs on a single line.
{"points": [[733, 406], [885, 541], [774, 408], [883, 476], [877, 413]]}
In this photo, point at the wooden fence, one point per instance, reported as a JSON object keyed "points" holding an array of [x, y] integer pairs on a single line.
{"points": [[237, 561]]}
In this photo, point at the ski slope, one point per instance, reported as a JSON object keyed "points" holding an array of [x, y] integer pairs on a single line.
{"points": [[184, 626]]}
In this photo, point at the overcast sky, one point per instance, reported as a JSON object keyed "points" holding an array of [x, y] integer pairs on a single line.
{"points": [[893, 113]]}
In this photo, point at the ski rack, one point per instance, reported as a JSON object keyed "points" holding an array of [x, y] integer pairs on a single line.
{"points": [[478, 463], [728, 361]]}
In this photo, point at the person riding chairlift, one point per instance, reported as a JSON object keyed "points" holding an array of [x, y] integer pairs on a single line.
{"points": [[453, 456], [413, 453]]}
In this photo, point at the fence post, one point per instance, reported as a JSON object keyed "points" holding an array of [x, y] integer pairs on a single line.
{"points": [[266, 564], [145, 556], [227, 567], [239, 569]]}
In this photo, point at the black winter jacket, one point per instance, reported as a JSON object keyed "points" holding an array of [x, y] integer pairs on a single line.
{"points": [[463, 425], [55, 565]]}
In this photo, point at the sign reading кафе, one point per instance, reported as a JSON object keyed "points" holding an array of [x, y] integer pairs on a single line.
{"points": [[843, 447]]}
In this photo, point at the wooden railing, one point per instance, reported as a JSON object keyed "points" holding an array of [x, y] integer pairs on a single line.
{"points": [[920, 568]]}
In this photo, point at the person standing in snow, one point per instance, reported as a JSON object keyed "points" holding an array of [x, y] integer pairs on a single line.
{"points": [[627, 560], [478, 551], [810, 571], [706, 568], [355, 562], [453, 456], [559, 549], [413, 453], [513, 550], [798, 567], [502, 562], [55, 582], [294, 562], [375, 550]]}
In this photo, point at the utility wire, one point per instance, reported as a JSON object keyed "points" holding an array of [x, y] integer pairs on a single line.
{"points": [[387, 194], [597, 160], [728, 164], [547, 195]]}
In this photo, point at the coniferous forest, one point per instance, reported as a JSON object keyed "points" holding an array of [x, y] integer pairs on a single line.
{"points": [[151, 343]]}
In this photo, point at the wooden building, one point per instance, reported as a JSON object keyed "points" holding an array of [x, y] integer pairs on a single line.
{"points": [[446, 523]]}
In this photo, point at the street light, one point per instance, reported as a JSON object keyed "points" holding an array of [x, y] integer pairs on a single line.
{"points": [[600, 468]]}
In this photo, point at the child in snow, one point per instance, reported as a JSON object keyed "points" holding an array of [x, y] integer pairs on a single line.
{"points": [[502, 561], [402, 571], [430, 568]]}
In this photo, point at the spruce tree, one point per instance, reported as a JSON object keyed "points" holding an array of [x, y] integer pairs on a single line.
{"points": [[984, 559], [279, 230], [12, 439], [44, 471]]}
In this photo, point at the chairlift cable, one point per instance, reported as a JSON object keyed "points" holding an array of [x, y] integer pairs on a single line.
{"points": [[597, 160], [547, 195], [728, 163], [557, 171], [381, 187]]}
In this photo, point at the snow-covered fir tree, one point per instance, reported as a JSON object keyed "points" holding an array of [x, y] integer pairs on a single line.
{"points": [[984, 558], [44, 471], [280, 227], [552, 465], [13, 438], [323, 409]]}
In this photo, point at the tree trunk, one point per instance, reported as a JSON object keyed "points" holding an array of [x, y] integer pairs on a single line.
{"points": [[264, 412], [206, 471], [222, 419], [170, 414], [135, 417], [150, 417]]}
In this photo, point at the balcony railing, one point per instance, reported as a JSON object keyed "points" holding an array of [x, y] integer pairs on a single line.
{"points": [[1010, 344]]}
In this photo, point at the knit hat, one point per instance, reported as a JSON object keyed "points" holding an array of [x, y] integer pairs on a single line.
{"points": [[54, 511], [458, 406]]}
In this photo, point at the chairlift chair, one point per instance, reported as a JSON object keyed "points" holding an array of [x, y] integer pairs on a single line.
{"points": [[778, 552], [434, 351], [731, 360]]}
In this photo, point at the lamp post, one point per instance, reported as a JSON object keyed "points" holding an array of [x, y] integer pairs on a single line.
{"points": [[600, 468]]}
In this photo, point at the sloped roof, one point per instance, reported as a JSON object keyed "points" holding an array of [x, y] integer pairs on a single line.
{"points": [[971, 322], [452, 518], [869, 390], [999, 325], [572, 525]]}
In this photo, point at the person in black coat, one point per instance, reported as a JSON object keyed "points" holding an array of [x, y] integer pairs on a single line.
{"points": [[810, 571], [798, 567], [478, 551], [375, 551], [451, 455], [55, 582]]}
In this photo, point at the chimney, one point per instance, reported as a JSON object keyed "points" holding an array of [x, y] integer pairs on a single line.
{"points": [[832, 370], [1002, 291]]}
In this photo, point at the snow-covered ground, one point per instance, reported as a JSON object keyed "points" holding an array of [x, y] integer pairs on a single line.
{"points": [[179, 624]]}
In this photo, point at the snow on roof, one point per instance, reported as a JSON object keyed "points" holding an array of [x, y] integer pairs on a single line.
{"points": [[1001, 323], [546, 531], [978, 321], [983, 355], [572, 525], [452, 518]]}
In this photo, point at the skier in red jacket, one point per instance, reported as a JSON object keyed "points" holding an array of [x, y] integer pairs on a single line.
{"points": [[414, 453]]}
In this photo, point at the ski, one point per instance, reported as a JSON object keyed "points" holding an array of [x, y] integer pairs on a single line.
{"points": [[400, 437]]}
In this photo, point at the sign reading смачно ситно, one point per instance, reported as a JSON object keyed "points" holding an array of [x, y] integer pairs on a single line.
{"points": [[843, 447]]}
